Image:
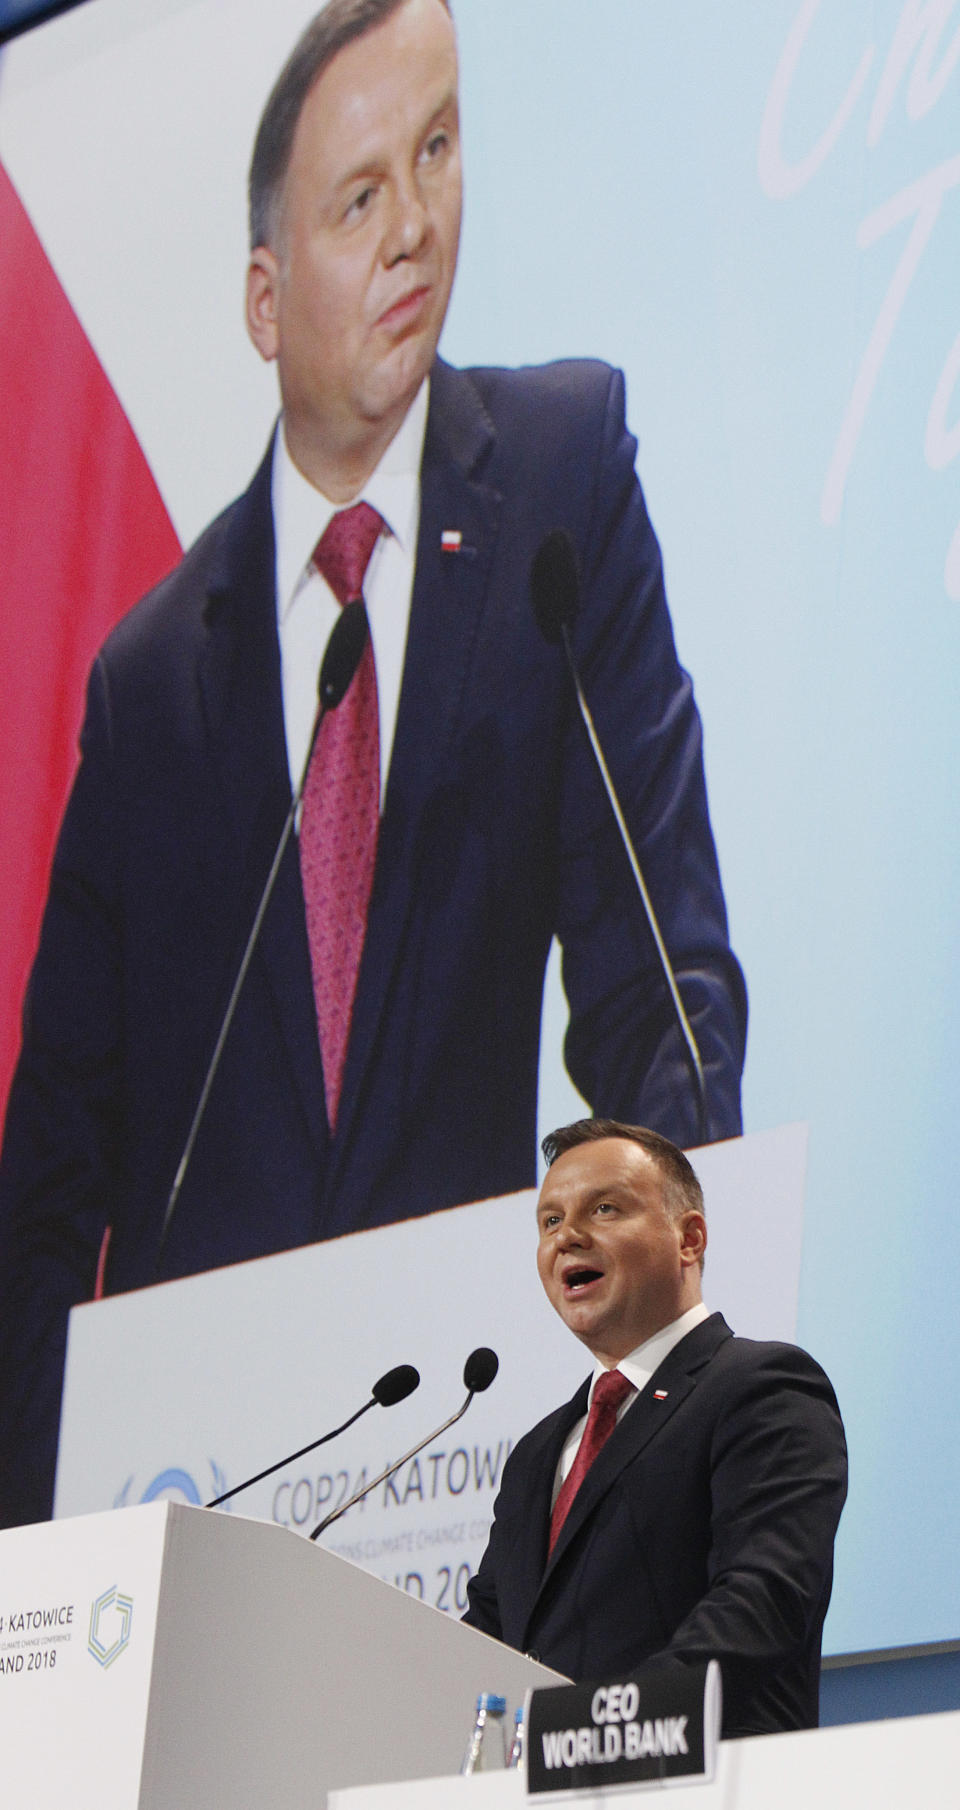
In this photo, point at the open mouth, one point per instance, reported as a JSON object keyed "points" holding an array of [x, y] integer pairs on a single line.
{"points": [[575, 1280]]}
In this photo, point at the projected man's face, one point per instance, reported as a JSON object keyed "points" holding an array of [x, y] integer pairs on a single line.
{"points": [[352, 299]]}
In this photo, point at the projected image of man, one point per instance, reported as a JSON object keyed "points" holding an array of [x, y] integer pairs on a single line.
{"points": [[383, 1058]]}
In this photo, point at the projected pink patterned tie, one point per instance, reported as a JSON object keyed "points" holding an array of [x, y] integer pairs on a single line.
{"points": [[341, 811], [610, 1390]]}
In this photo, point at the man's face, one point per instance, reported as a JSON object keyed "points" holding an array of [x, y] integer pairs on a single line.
{"points": [[352, 297], [613, 1262]]}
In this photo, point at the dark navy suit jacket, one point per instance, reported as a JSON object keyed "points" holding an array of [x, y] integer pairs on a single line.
{"points": [[494, 836], [703, 1530]]}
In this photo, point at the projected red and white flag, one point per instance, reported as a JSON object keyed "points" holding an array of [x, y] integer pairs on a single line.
{"points": [[83, 533]]}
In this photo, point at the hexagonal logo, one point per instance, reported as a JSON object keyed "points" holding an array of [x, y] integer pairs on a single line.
{"points": [[111, 1616]]}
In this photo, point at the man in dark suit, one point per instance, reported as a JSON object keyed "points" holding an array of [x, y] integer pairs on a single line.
{"points": [[692, 1514], [493, 831]]}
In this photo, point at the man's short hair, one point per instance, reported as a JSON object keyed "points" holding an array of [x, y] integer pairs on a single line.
{"points": [[682, 1192], [335, 26]]}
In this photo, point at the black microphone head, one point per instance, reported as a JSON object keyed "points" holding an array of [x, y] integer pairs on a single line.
{"points": [[480, 1369], [344, 648], [555, 584], [396, 1385]]}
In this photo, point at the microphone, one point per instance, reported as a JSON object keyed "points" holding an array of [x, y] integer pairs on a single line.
{"points": [[395, 1386], [555, 594], [340, 661], [555, 585], [348, 638], [478, 1373], [480, 1369]]}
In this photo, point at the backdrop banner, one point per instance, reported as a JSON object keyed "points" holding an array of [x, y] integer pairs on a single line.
{"points": [[753, 212]]}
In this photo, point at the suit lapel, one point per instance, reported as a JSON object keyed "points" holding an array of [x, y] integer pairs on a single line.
{"points": [[239, 665], [240, 687], [651, 1412], [546, 1445], [445, 615]]}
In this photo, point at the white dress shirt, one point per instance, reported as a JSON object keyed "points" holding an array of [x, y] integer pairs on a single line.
{"points": [[307, 608], [638, 1367]]}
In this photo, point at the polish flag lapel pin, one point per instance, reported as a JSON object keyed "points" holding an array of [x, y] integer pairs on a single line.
{"points": [[451, 541], [659, 1394]]}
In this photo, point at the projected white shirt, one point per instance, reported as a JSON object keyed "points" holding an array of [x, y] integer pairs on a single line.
{"points": [[306, 606]]}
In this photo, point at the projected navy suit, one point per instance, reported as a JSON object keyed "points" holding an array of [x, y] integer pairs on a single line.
{"points": [[495, 835], [704, 1530]]}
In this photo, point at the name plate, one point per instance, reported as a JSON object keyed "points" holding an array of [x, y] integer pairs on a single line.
{"points": [[655, 1727]]}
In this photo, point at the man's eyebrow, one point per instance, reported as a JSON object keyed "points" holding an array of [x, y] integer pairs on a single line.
{"points": [[449, 104], [594, 1197], [450, 99], [373, 162]]}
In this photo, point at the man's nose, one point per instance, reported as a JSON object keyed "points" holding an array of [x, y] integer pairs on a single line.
{"points": [[409, 223], [571, 1235]]}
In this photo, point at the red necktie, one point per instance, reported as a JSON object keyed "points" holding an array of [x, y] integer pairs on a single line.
{"points": [[610, 1390], [341, 810]]}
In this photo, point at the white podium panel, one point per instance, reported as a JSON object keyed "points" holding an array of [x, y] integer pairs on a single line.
{"points": [[182, 1390], [911, 1763], [76, 1660], [161, 1658]]}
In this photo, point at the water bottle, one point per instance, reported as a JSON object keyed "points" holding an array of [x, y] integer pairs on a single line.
{"points": [[487, 1749], [516, 1750]]}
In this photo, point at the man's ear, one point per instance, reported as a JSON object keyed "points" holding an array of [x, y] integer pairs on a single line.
{"points": [[693, 1238], [263, 277]]}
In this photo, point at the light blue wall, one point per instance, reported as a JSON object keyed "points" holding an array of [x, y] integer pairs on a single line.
{"points": [[622, 200]]}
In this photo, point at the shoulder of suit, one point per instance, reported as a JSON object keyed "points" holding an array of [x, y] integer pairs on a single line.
{"points": [[546, 1429], [168, 611], [535, 395], [773, 1359], [239, 539], [577, 384]]}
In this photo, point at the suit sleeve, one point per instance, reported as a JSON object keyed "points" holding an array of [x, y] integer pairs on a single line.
{"points": [[778, 1483], [499, 1595], [515, 1507], [60, 1152], [624, 1049], [483, 1609]]}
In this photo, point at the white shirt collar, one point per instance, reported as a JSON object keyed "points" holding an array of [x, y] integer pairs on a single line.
{"points": [[301, 512], [639, 1365]]}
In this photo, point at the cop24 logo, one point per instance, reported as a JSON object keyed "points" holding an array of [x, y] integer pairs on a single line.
{"points": [[175, 1485]]}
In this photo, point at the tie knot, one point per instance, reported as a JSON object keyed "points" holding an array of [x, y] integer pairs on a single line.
{"points": [[609, 1391], [343, 551]]}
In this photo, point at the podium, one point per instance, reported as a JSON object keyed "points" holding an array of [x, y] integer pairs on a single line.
{"points": [[870, 1766], [165, 1658]]}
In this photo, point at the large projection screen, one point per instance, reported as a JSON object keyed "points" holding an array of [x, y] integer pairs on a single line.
{"points": [[753, 211]]}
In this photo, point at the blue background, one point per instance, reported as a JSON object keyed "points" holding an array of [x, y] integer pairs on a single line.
{"points": [[614, 206]]}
